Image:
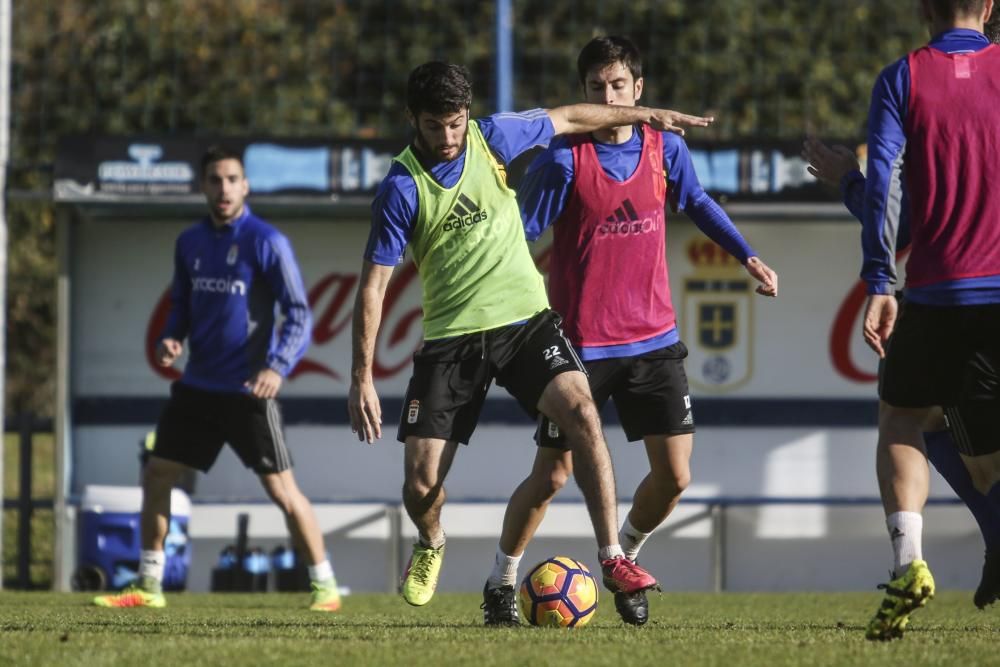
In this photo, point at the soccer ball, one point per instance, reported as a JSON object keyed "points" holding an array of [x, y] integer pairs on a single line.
{"points": [[558, 593]]}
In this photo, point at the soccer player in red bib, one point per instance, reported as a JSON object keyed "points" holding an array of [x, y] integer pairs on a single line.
{"points": [[935, 112], [605, 194], [839, 167]]}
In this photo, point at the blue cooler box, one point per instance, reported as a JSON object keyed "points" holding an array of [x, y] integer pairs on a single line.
{"points": [[110, 539]]}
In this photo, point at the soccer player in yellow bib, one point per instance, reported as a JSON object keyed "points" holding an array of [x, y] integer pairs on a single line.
{"points": [[486, 314]]}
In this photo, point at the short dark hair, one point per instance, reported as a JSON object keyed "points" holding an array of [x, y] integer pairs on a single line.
{"points": [[438, 88], [952, 9], [217, 152], [992, 27], [604, 51]]}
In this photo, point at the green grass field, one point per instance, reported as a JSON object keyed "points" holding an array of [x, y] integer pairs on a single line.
{"points": [[734, 630], [731, 630]]}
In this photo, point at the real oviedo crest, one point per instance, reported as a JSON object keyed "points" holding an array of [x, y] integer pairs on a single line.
{"points": [[717, 318]]}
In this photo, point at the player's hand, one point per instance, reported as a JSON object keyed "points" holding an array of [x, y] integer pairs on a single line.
{"points": [[674, 121], [763, 274], [365, 410], [167, 351], [828, 164], [265, 384], [880, 318]]}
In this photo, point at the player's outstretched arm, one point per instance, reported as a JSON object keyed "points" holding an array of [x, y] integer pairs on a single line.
{"points": [[764, 275], [839, 167], [362, 401], [578, 118], [828, 163]]}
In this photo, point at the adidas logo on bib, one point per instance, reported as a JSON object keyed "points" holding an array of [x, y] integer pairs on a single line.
{"points": [[465, 213]]}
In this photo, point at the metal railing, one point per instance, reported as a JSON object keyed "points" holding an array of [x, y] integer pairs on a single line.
{"points": [[25, 504], [716, 511]]}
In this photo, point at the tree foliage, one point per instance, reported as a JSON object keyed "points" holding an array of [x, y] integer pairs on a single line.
{"points": [[766, 68], [771, 68], [30, 377]]}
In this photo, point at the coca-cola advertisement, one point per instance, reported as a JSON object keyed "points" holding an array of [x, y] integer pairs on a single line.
{"points": [[763, 365], [805, 343]]}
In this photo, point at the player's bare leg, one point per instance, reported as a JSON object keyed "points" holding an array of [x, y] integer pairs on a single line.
{"points": [[568, 403], [901, 460], [904, 478], [158, 478], [525, 510], [659, 492], [299, 515], [300, 518], [655, 498], [425, 467], [527, 505], [972, 478]]}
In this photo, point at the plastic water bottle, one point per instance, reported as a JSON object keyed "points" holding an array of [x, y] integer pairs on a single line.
{"points": [[256, 565], [227, 558]]}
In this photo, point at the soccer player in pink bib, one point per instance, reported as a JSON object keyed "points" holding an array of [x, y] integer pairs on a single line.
{"points": [[935, 112], [605, 194], [839, 167]]}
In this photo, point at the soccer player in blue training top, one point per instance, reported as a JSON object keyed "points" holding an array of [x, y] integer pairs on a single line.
{"points": [[486, 314], [839, 167], [230, 271], [605, 192], [936, 112]]}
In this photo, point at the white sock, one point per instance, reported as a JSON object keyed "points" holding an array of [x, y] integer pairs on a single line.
{"points": [[504, 570], [151, 569], [611, 551], [632, 539], [905, 530], [321, 572], [434, 541]]}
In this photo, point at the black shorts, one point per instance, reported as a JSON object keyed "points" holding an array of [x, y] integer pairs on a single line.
{"points": [[942, 355], [974, 421], [451, 376], [196, 423], [650, 392]]}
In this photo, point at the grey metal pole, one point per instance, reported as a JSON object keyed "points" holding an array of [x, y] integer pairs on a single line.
{"points": [[6, 18], [64, 551], [394, 513], [26, 429], [718, 513]]}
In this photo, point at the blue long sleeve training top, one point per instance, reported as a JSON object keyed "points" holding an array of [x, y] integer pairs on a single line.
{"points": [[852, 191], [227, 282]]}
